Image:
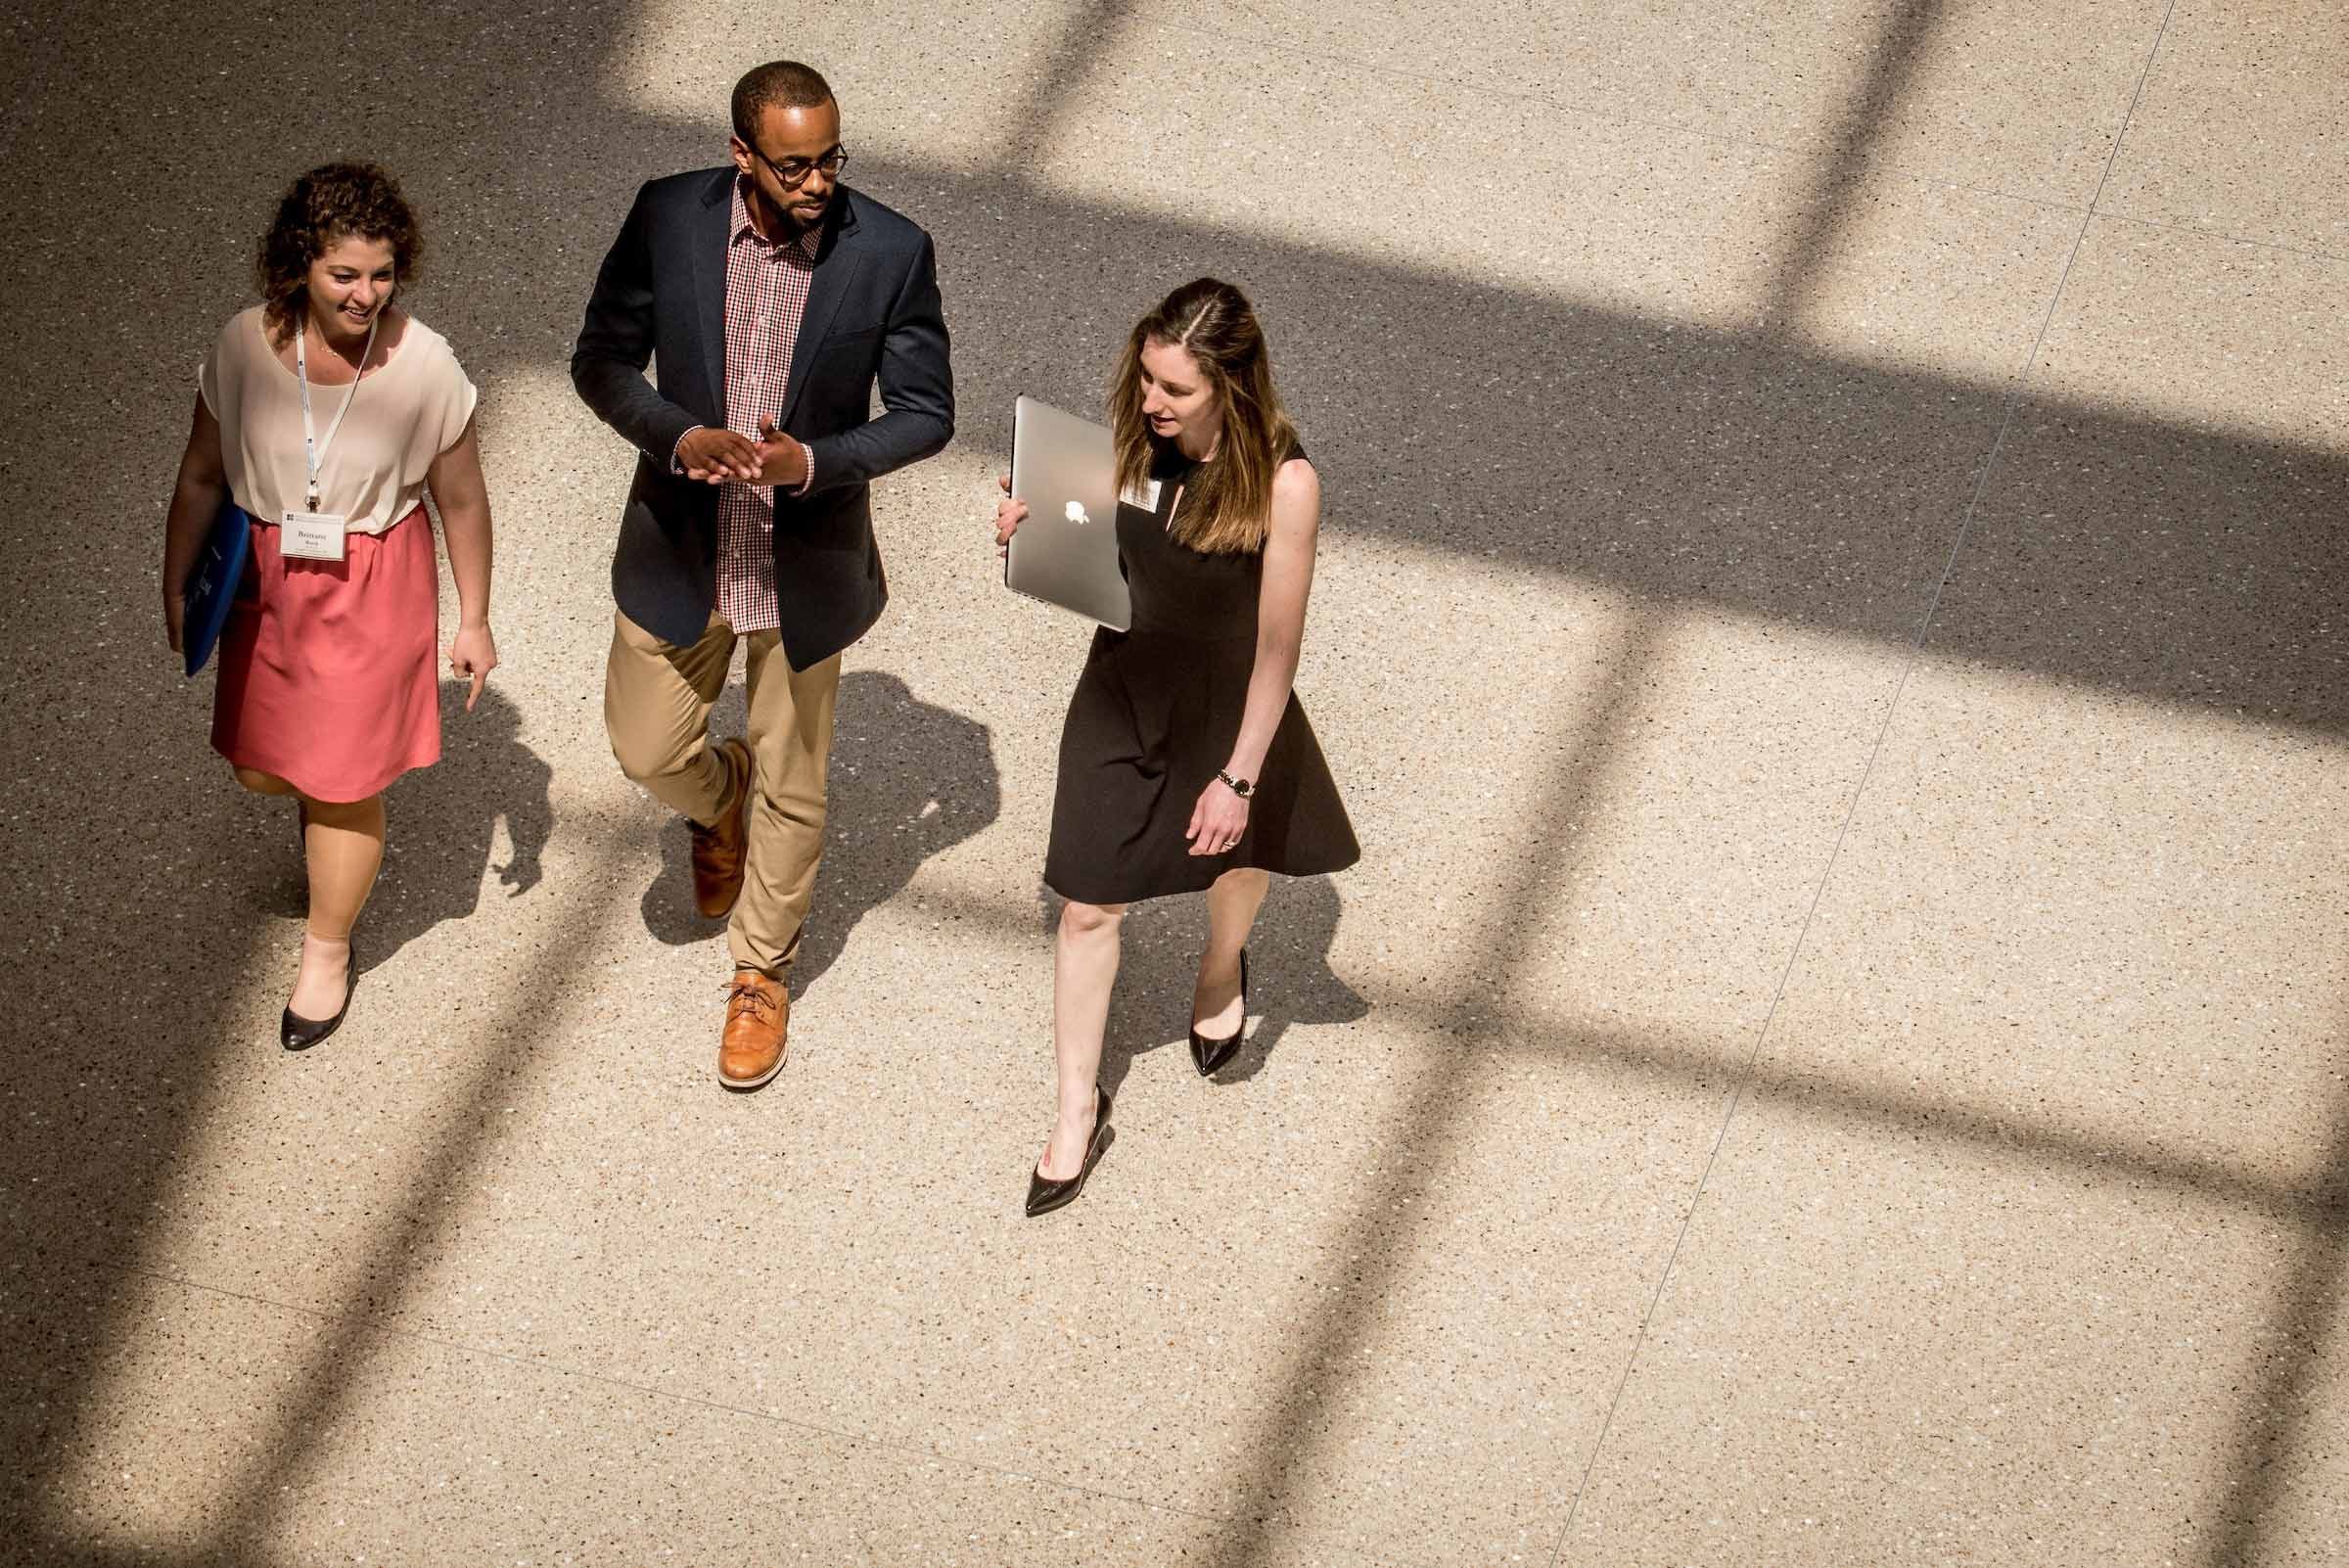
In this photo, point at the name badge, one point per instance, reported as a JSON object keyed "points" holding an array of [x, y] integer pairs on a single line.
{"points": [[1143, 495], [312, 536]]}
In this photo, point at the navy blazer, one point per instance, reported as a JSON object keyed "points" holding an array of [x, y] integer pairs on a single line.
{"points": [[873, 314]]}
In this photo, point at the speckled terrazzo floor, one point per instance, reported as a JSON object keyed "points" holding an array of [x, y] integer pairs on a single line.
{"points": [[1829, 623]]}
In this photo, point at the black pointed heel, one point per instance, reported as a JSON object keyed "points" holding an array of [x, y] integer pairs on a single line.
{"points": [[1208, 1055], [1044, 1196], [299, 1033]]}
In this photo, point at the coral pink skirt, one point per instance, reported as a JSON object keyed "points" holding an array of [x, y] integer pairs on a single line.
{"points": [[329, 669]]}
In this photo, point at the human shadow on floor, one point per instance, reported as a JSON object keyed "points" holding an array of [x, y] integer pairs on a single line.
{"points": [[442, 834], [908, 780], [1289, 978]]}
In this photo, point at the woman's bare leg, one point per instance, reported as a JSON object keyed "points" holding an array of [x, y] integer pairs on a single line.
{"points": [[1084, 966], [343, 849], [1232, 905]]}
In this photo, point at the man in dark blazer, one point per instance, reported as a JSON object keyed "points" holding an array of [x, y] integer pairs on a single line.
{"points": [[771, 298]]}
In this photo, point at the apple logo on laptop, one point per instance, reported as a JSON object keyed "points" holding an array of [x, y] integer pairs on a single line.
{"points": [[1075, 512]]}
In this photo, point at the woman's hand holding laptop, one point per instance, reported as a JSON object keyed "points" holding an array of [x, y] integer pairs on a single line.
{"points": [[1009, 515]]}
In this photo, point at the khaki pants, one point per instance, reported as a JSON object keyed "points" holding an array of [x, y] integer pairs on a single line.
{"points": [[657, 702]]}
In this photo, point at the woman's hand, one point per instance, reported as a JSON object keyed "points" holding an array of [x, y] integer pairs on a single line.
{"points": [[1010, 512], [175, 615], [1218, 820], [474, 654]]}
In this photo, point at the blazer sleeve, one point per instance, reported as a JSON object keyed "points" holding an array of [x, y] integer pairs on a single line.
{"points": [[917, 389], [615, 344]]}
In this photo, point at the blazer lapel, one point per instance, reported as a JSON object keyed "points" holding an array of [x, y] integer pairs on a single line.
{"points": [[709, 243], [836, 264]]}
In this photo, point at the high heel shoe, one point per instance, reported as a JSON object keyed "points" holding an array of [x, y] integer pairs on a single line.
{"points": [[1209, 1054], [1044, 1195], [299, 1033]]}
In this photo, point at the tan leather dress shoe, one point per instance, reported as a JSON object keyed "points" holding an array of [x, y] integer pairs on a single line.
{"points": [[719, 853], [757, 1021]]}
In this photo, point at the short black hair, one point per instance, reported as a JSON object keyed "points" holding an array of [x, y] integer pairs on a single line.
{"points": [[777, 85]]}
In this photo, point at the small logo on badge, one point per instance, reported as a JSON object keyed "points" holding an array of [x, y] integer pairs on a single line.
{"points": [[1075, 512]]}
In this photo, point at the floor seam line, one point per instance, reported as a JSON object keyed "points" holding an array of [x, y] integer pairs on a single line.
{"points": [[1924, 629], [2173, 227], [533, 1363]]}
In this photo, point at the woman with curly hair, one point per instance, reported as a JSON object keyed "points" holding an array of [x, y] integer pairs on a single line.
{"points": [[1186, 765], [325, 413]]}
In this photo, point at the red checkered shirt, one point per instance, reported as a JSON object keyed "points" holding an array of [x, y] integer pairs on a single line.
{"points": [[766, 294]]}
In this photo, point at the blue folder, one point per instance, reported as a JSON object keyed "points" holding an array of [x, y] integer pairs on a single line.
{"points": [[211, 586]]}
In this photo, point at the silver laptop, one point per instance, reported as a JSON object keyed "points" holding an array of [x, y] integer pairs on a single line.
{"points": [[1066, 551]]}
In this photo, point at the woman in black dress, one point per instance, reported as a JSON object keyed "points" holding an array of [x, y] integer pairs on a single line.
{"points": [[1186, 765]]}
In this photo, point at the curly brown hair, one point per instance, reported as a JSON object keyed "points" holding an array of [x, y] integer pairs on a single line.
{"points": [[330, 203]]}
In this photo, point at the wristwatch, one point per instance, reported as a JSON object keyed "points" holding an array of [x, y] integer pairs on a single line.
{"points": [[1241, 787]]}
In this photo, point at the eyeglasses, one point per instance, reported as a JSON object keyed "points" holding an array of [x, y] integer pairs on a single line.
{"points": [[794, 172]]}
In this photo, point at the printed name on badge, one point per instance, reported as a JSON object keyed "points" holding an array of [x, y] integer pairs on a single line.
{"points": [[312, 536], [1143, 495]]}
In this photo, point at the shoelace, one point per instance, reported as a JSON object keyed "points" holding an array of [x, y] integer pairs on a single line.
{"points": [[753, 1001]]}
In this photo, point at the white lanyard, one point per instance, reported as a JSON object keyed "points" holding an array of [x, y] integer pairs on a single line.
{"points": [[312, 450]]}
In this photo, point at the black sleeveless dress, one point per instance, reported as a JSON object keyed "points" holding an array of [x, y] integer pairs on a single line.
{"points": [[1154, 716]]}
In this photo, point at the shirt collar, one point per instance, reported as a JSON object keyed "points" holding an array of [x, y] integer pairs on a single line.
{"points": [[740, 224]]}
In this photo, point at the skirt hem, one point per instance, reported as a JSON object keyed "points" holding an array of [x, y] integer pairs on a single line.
{"points": [[1190, 886]]}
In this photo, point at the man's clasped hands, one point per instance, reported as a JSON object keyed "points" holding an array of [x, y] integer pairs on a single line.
{"points": [[728, 457]]}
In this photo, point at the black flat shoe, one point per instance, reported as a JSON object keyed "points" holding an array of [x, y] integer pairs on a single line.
{"points": [[1209, 1054], [299, 1033], [1044, 1196]]}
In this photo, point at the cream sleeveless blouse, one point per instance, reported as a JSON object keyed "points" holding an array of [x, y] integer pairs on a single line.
{"points": [[406, 415]]}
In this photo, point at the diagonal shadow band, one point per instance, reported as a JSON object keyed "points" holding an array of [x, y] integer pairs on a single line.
{"points": [[1094, 34], [529, 1021], [1716, 471], [1298, 1424], [1808, 1093], [1707, 470], [1896, 54], [2320, 1209], [2302, 1341], [1727, 470]]}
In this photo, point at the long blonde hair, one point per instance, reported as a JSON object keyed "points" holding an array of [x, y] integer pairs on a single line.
{"points": [[1227, 508]]}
